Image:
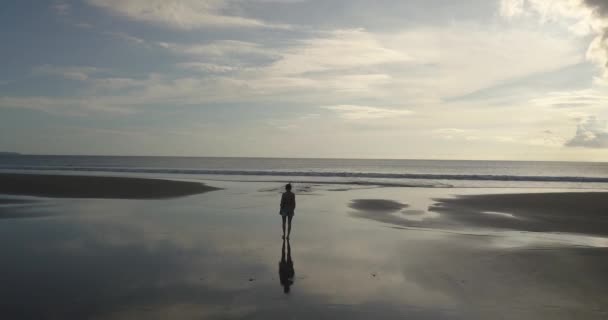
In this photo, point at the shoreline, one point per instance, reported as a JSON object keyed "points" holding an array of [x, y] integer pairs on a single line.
{"points": [[97, 187]]}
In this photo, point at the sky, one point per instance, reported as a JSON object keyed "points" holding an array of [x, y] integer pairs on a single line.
{"points": [[417, 79]]}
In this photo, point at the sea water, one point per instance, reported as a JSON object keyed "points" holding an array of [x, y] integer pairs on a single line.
{"points": [[406, 173]]}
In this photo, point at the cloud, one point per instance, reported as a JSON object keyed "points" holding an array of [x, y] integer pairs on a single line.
{"points": [[78, 73], [61, 7], [354, 112], [457, 133], [544, 138], [83, 25], [336, 68], [66, 106], [572, 99], [336, 50], [590, 133], [511, 8], [584, 16], [599, 6], [126, 37], [478, 57], [205, 67], [340, 61], [180, 14], [220, 48], [407, 65]]}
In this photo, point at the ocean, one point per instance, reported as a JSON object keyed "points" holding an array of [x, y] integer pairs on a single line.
{"points": [[405, 173]]}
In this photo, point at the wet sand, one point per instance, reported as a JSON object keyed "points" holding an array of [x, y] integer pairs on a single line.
{"points": [[565, 212], [377, 205], [218, 255], [575, 212], [68, 186]]}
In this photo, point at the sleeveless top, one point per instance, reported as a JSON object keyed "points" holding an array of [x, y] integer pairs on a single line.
{"points": [[288, 203]]}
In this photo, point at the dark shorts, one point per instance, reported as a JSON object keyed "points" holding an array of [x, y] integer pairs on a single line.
{"points": [[287, 213]]}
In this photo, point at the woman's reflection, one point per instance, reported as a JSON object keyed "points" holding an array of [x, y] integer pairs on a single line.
{"points": [[286, 271]]}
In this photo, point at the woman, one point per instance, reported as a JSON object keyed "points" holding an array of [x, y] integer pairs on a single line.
{"points": [[288, 205]]}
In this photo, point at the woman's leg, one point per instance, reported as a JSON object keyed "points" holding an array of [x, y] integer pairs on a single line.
{"points": [[289, 228], [284, 218]]}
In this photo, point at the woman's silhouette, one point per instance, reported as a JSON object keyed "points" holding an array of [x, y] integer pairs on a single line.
{"points": [[288, 206], [286, 271]]}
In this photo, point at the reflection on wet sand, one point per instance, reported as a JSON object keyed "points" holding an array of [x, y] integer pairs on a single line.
{"points": [[286, 270], [191, 259]]}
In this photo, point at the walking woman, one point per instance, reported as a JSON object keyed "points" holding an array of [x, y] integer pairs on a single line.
{"points": [[288, 206]]}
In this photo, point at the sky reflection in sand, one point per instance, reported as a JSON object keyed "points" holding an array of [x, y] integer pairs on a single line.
{"points": [[216, 255]]}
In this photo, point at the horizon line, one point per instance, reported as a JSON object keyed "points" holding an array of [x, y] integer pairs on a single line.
{"points": [[288, 157]]}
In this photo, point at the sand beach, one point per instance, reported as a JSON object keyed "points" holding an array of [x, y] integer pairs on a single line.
{"points": [[356, 251]]}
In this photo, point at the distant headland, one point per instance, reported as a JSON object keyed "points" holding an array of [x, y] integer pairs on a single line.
{"points": [[9, 154]]}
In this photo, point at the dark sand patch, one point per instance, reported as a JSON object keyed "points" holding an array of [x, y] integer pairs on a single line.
{"points": [[582, 213], [67, 186], [585, 213], [377, 205]]}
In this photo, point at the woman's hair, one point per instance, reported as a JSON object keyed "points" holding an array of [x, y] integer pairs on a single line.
{"points": [[288, 187]]}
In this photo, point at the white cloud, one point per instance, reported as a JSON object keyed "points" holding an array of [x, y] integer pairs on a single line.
{"points": [[590, 133], [325, 63], [354, 112], [180, 14], [61, 7], [221, 48], [300, 87], [362, 63], [598, 52], [69, 106], [586, 98], [113, 83], [451, 131], [544, 138], [358, 63], [205, 67], [336, 50], [511, 8], [466, 58], [337, 68], [83, 25], [582, 17], [79, 73], [457, 133], [126, 37]]}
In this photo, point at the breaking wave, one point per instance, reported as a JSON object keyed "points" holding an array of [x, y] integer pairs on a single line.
{"points": [[325, 174]]}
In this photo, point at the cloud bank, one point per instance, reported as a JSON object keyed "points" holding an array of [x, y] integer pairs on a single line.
{"points": [[180, 14], [353, 112], [591, 133], [586, 17]]}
